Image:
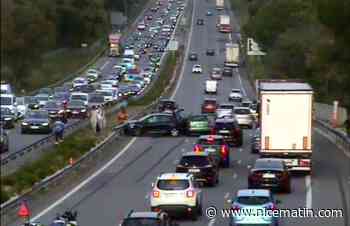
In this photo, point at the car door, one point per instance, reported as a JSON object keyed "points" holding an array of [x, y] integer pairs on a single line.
{"points": [[150, 125], [165, 124]]}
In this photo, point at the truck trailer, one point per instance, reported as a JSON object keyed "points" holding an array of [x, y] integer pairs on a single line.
{"points": [[224, 24], [232, 55], [114, 44], [220, 4], [286, 122]]}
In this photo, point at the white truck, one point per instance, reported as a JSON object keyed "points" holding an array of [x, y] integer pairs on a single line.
{"points": [[232, 55], [220, 4], [286, 122], [224, 24], [211, 87]]}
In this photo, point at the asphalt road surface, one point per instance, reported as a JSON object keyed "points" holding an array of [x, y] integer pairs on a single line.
{"points": [[126, 183]]}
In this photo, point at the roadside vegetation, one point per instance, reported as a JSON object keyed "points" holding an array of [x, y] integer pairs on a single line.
{"points": [[76, 144], [307, 40]]}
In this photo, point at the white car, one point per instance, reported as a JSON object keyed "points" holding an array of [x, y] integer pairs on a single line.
{"points": [[93, 72], [235, 95], [197, 68], [119, 68], [211, 87], [80, 96], [177, 192], [114, 83], [244, 117], [225, 110], [109, 95], [80, 81]]}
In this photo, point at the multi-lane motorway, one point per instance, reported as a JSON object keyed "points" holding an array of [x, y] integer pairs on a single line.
{"points": [[126, 182]]}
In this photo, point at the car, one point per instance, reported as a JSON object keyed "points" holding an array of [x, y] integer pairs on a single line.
{"points": [[197, 68], [200, 22], [193, 56], [4, 141], [209, 105], [256, 202], [210, 52], [158, 123], [147, 218], [255, 141], [85, 89], [7, 118], [80, 96], [209, 13], [235, 95], [216, 146], [244, 117], [96, 99], [225, 110], [211, 87], [37, 121], [42, 98], [198, 124], [110, 95], [9, 101], [201, 165], [270, 173], [227, 71], [80, 81], [177, 193], [246, 103], [77, 109], [149, 17], [62, 97], [55, 109], [141, 26], [93, 73], [230, 130], [46, 90], [167, 105], [216, 74]]}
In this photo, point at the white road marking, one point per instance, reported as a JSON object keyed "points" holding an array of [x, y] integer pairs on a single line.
{"points": [[82, 184], [308, 186], [211, 222], [105, 64], [347, 154], [186, 53]]}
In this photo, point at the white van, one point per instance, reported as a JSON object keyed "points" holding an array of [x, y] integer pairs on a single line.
{"points": [[5, 88], [211, 87]]}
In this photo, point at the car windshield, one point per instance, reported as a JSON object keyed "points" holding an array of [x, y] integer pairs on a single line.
{"points": [[211, 141], [37, 114], [173, 184], [76, 103], [253, 200], [141, 222], [198, 118], [235, 91], [269, 164], [242, 111], [198, 161], [79, 97], [6, 101], [246, 104]]}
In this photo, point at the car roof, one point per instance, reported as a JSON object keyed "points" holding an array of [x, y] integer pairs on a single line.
{"points": [[253, 192], [216, 137], [144, 215], [174, 176], [225, 120], [211, 99], [241, 108], [192, 153]]}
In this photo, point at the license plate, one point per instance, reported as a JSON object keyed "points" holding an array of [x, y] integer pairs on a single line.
{"points": [[224, 131], [194, 170], [291, 162], [210, 150], [34, 127], [75, 112], [268, 175]]}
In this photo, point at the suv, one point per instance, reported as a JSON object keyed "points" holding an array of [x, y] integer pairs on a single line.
{"points": [[177, 193], [158, 123], [216, 146], [147, 218], [235, 95], [209, 105], [230, 130], [210, 52]]}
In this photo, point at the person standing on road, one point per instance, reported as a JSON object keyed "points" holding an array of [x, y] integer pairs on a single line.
{"points": [[122, 116], [100, 120], [93, 118], [58, 130]]}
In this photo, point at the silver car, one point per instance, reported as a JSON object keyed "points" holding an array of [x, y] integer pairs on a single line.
{"points": [[244, 117], [225, 110]]}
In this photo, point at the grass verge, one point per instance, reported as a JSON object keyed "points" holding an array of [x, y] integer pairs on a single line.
{"points": [[77, 144]]}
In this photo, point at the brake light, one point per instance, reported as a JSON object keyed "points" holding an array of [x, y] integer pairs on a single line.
{"points": [[224, 150], [190, 194], [197, 148], [304, 162], [156, 194], [305, 142]]}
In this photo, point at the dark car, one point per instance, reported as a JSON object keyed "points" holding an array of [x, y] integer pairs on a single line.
{"points": [[158, 123], [227, 71], [255, 142], [193, 56], [7, 118], [201, 165], [210, 52], [167, 105], [230, 130], [216, 146], [200, 22], [4, 141], [96, 99], [209, 105], [147, 219], [84, 89], [198, 124], [62, 97], [77, 109], [55, 109], [36, 121], [61, 89], [270, 173]]}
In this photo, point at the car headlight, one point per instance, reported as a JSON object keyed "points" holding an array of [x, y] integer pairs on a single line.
{"points": [[45, 124], [7, 119], [24, 123], [83, 110], [60, 111]]}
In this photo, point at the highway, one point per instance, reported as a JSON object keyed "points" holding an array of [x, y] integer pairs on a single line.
{"points": [[125, 184]]}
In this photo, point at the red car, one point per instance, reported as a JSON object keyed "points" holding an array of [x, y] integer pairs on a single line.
{"points": [[209, 105]]}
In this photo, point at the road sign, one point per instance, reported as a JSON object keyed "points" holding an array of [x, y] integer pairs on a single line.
{"points": [[24, 211], [173, 45], [253, 48]]}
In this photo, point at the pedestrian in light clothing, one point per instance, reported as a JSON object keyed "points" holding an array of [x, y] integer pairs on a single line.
{"points": [[100, 120], [93, 117], [58, 130]]}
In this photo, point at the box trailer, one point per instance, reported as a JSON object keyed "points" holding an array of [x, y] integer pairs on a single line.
{"points": [[220, 4], [286, 121], [114, 45], [224, 24], [232, 55]]}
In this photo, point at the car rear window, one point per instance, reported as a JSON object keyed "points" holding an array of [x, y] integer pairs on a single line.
{"points": [[230, 107], [211, 142], [226, 125], [173, 185], [210, 102], [253, 200], [194, 161], [242, 111], [269, 164], [245, 104]]}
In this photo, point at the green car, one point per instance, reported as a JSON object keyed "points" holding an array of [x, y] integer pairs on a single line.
{"points": [[198, 124]]}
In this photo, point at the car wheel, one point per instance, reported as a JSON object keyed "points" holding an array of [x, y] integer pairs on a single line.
{"points": [[174, 132]]}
